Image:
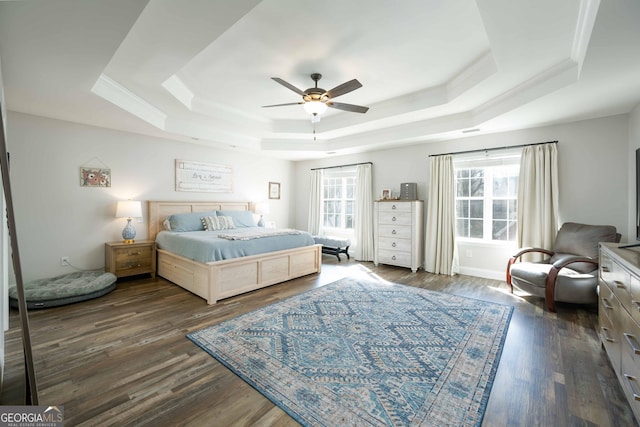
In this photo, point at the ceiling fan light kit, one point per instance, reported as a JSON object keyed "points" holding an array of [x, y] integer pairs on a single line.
{"points": [[315, 100]]}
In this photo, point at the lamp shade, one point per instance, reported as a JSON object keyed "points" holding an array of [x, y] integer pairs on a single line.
{"points": [[129, 209], [262, 208], [315, 107]]}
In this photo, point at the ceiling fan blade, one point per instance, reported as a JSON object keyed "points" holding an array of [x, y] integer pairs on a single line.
{"points": [[348, 107], [282, 105], [288, 85], [344, 88]]}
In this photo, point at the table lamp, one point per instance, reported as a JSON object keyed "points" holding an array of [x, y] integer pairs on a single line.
{"points": [[129, 209]]}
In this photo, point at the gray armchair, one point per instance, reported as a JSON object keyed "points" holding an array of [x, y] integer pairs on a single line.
{"points": [[570, 274]]}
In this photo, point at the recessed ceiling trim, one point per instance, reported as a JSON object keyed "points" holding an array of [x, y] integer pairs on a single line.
{"points": [[118, 95], [584, 27], [179, 90]]}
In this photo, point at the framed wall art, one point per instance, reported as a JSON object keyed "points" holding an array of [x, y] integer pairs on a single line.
{"points": [[95, 177], [203, 177], [274, 190]]}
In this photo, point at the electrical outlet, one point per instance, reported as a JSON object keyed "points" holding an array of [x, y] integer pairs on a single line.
{"points": [[64, 261]]}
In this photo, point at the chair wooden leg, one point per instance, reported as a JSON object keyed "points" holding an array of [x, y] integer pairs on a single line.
{"points": [[550, 289], [509, 264]]}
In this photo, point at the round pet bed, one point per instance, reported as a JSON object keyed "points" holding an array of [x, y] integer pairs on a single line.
{"points": [[65, 289]]}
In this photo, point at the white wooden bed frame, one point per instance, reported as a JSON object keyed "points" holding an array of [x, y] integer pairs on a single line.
{"points": [[216, 280]]}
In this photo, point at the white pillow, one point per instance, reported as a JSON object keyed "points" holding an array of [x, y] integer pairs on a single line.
{"points": [[214, 223], [166, 224]]}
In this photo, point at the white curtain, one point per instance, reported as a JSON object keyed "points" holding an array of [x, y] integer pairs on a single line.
{"points": [[364, 214], [315, 202], [538, 197], [440, 246]]}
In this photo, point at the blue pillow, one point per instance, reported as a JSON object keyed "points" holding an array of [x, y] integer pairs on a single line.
{"points": [[240, 218], [188, 221]]}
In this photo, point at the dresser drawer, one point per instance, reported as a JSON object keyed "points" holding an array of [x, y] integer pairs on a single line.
{"points": [[630, 361], [395, 231], [394, 244], [608, 318], [634, 305], [394, 207], [394, 257], [618, 279], [399, 218]]}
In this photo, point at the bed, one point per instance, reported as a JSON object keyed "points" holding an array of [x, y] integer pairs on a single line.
{"points": [[216, 280]]}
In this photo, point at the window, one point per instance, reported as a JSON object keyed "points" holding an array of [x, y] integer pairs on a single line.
{"points": [[338, 202], [486, 198]]}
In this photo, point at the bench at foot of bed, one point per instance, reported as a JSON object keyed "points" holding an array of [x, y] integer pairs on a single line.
{"points": [[333, 245]]}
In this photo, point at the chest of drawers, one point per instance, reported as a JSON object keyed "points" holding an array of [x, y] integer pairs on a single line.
{"points": [[619, 316], [398, 233]]}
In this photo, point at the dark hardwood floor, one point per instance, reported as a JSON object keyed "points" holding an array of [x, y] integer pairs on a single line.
{"points": [[123, 359]]}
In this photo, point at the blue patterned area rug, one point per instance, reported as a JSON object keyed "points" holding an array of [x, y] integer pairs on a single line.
{"points": [[367, 353]]}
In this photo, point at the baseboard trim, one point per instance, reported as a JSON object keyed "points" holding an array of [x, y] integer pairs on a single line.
{"points": [[485, 274]]}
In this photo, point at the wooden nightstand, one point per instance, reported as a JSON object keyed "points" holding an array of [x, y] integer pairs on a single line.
{"points": [[130, 259]]}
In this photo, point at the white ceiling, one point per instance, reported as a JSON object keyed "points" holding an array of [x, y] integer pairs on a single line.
{"points": [[200, 70]]}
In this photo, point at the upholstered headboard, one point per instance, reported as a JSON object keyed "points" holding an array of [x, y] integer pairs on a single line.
{"points": [[159, 211]]}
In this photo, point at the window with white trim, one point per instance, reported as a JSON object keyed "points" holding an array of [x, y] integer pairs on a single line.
{"points": [[486, 197], [338, 201]]}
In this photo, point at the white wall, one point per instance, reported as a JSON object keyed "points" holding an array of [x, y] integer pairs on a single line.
{"points": [[593, 170], [57, 217]]}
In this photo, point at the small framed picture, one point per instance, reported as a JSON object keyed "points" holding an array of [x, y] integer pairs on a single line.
{"points": [[274, 190], [386, 194]]}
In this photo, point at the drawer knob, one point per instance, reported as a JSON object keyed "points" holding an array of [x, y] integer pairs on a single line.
{"points": [[393, 231], [393, 219], [393, 244], [393, 206], [605, 269], [606, 304], [619, 284], [393, 257]]}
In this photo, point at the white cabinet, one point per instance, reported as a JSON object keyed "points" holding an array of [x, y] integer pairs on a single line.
{"points": [[398, 233]]}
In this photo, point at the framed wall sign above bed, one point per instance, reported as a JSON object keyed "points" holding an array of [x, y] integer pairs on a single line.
{"points": [[203, 177]]}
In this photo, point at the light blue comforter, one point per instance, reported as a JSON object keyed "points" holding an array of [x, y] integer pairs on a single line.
{"points": [[206, 246]]}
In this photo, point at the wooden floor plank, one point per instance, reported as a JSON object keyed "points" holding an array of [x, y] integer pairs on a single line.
{"points": [[123, 359]]}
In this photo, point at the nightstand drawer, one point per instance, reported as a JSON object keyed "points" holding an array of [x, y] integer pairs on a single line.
{"points": [[124, 259], [137, 254]]}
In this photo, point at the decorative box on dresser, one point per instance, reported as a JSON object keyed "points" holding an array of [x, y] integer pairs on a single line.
{"points": [[619, 316], [130, 259], [398, 233]]}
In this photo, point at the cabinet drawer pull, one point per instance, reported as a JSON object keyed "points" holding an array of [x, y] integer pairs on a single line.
{"points": [[393, 244], [135, 253], [393, 257], [632, 384], [605, 334], [605, 269], [619, 284], [393, 218], [632, 341], [606, 304], [393, 206], [636, 304], [393, 231]]}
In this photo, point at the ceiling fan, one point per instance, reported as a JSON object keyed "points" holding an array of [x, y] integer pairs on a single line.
{"points": [[315, 100]]}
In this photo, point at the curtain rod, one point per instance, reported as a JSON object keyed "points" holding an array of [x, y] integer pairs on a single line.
{"points": [[343, 166], [492, 149]]}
